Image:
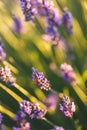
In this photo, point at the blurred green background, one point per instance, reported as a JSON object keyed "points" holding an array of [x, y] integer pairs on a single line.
{"points": [[29, 49]]}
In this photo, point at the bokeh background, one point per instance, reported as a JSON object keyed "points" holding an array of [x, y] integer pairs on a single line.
{"points": [[27, 49]]}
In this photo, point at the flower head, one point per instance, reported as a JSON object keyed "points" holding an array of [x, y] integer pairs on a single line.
{"points": [[22, 124], [67, 107], [1, 117], [6, 76], [33, 110], [2, 52], [40, 79], [28, 9], [17, 25], [68, 73], [2, 127], [67, 21]]}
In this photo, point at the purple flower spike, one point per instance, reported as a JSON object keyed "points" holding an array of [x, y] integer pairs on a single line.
{"points": [[17, 25], [40, 80], [6, 76], [67, 21], [28, 9], [68, 73], [33, 110], [22, 124], [51, 101], [58, 128], [67, 107], [1, 117], [2, 52], [2, 127]]}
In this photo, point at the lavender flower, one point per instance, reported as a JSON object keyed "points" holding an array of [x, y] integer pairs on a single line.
{"points": [[67, 21], [53, 22], [6, 76], [68, 73], [58, 128], [17, 25], [28, 9], [2, 52], [1, 117], [67, 107], [33, 110], [51, 101], [40, 79], [45, 8], [22, 124], [2, 127], [20, 116]]}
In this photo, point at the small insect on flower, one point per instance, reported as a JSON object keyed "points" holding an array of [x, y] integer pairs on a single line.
{"points": [[40, 80], [67, 107]]}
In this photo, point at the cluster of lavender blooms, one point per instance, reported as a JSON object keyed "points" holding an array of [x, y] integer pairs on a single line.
{"points": [[2, 127], [33, 110], [6, 76], [21, 122], [31, 8], [68, 73], [2, 52], [40, 80], [58, 128], [67, 107], [51, 101]]}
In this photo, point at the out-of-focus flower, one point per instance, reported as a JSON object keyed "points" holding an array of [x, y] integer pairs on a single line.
{"points": [[6, 76], [40, 79], [51, 101], [17, 25], [58, 128], [67, 21], [28, 9], [1, 117], [20, 116], [52, 24], [68, 73], [2, 52], [2, 127], [33, 110], [67, 107]]}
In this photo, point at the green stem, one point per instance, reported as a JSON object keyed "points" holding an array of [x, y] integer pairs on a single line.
{"points": [[49, 122]]}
